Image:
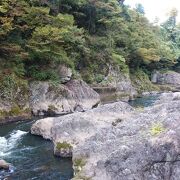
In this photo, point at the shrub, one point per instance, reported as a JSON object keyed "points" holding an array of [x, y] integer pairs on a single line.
{"points": [[156, 129], [63, 145]]}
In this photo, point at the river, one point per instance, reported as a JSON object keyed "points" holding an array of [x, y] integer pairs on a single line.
{"points": [[31, 156]]}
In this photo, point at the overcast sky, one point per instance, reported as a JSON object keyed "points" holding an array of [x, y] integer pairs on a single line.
{"points": [[156, 8]]}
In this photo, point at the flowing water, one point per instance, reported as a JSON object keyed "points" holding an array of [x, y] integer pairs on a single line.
{"points": [[31, 157]]}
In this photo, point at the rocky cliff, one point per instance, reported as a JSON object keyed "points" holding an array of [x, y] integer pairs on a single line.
{"points": [[115, 85], [44, 98], [19, 98], [169, 78], [49, 99], [116, 141]]}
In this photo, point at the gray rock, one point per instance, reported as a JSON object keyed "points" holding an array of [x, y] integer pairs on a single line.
{"points": [[151, 93], [166, 78], [117, 142], [47, 98], [146, 93], [115, 79], [65, 73], [168, 97], [79, 125], [4, 165], [121, 81]]}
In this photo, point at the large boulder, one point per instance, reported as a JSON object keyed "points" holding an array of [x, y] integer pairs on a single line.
{"points": [[166, 78], [115, 141], [50, 99], [75, 127]]}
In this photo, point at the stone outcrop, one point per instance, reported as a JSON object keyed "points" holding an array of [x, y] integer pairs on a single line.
{"points": [[49, 99], [21, 99], [115, 141], [64, 73], [116, 83], [167, 78], [121, 81], [78, 126]]}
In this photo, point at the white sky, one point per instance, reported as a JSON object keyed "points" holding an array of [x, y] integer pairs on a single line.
{"points": [[156, 8]]}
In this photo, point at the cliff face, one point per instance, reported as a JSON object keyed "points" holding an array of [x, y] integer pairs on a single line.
{"points": [[115, 85], [121, 82], [169, 78]]}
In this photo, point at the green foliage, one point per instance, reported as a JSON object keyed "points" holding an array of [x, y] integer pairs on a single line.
{"points": [[157, 129], [121, 62], [52, 108], [43, 75], [141, 81], [99, 78], [79, 162], [15, 111], [14, 91], [64, 145], [88, 36]]}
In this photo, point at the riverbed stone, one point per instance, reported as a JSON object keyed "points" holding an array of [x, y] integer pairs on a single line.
{"points": [[143, 145], [4, 165]]}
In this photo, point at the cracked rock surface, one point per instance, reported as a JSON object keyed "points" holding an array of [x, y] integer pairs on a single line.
{"points": [[117, 142], [49, 99]]}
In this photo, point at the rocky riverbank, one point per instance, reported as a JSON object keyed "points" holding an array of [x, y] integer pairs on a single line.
{"points": [[46, 98], [116, 141], [22, 99]]}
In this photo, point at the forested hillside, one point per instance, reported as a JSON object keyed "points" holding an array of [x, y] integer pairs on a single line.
{"points": [[87, 35]]}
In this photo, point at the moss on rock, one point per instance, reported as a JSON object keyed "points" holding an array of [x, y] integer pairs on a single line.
{"points": [[63, 149], [78, 164], [63, 145]]}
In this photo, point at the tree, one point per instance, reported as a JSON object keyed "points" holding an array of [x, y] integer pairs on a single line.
{"points": [[36, 36], [140, 9], [170, 24]]}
